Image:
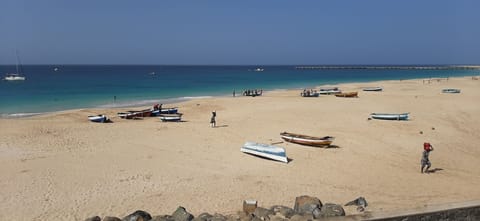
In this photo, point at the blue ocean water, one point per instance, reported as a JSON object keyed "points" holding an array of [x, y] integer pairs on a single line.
{"points": [[84, 86]]}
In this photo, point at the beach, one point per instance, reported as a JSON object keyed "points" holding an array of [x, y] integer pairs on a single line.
{"points": [[60, 166]]}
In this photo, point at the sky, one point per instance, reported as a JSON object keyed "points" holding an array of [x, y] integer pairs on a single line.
{"points": [[246, 32]]}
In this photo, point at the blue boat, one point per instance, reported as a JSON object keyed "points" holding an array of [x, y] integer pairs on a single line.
{"points": [[451, 90], [171, 110], [98, 118], [266, 151], [383, 116]]}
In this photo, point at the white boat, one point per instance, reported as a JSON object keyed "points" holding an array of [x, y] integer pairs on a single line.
{"points": [[15, 76], [383, 116], [98, 118], [266, 151], [170, 117], [258, 69], [451, 90], [373, 89], [326, 91]]}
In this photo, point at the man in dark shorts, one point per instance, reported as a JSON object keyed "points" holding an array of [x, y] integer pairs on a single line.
{"points": [[212, 120], [425, 161]]}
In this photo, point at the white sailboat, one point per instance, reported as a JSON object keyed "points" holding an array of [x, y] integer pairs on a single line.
{"points": [[18, 76]]}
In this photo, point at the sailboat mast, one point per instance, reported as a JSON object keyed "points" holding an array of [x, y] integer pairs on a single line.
{"points": [[16, 64]]}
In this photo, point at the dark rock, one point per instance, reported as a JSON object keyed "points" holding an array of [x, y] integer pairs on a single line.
{"points": [[203, 217], [263, 213], [298, 217], [306, 205], [162, 218], [111, 218], [181, 214], [360, 201], [138, 215], [285, 211], [95, 218], [330, 209], [249, 206]]}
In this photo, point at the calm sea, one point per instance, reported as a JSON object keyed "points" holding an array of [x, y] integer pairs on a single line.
{"points": [[84, 86]]}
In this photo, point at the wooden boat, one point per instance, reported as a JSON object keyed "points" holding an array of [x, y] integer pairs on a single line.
{"points": [[169, 110], [130, 114], [307, 140], [327, 91], [98, 118], [383, 116], [451, 90], [373, 89], [170, 117], [266, 151], [347, 94]]}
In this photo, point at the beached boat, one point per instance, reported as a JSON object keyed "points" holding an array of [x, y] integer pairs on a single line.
{"points": [[170, 117], [130, 114], [451, 90], [266, 151], [307, 140], [383, 116], [373, 89], [347, 94], [309, 93], [98, 118], [327, 91], [170, 110]]}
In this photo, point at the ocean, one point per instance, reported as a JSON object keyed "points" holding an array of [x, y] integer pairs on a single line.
{"points": [[85, 86]]}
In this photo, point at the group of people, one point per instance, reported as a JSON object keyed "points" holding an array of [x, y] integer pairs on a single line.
{"points": [[308, 93], [254, 93], [157, 107]]}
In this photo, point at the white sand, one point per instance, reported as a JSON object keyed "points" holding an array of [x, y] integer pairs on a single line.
{"points": [[63, 167]]}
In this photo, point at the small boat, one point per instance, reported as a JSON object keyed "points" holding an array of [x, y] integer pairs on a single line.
{"points": [[14, 77], [309, 93], [170, 117], [373, 89], [258, 69], [170, 110], [130, 114], [383, 116], [98, 118], [347, 94], [266, 151], [307, 140], [327, 91], [451, 90]]}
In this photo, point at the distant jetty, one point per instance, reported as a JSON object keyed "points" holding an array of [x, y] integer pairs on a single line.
{"points": [[453, 67]]}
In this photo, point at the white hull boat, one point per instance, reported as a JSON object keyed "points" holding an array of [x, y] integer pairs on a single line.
{"points": [[98, 118], [266, 151], [383, 116], [373, 89], [170, 117], [451, 91]]}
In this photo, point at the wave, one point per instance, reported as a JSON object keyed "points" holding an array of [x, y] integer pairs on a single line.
{"points": [[19, 115]]}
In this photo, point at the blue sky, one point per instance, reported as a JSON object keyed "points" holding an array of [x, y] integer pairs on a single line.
{"points": [[240, 32]]}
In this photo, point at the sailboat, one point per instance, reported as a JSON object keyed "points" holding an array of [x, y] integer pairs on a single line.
{"points": [[15, 76]]}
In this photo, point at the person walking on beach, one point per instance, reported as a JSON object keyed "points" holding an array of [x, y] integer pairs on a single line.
{"points": [[212, 120], [427, 148], [233, 92]]}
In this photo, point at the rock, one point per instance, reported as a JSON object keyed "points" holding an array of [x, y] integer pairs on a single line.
{"points": [[330, 209], [218, 217], [244, 217], [138, 215], [285, 211], [298, 217], [111, 218], [263, 213], [278, 217], [249, 206], [360, 201], [306, 205], [95, 218], [203, 217], [181, 215], [163, 218]]}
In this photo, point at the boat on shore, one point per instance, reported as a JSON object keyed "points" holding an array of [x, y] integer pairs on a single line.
{"points": [[98, 118], [328, 91], [169, 110], [385, 116], [451, 91], [373, 89], [265, 151], [170, 117], [307, 140], [347, 94], [309, 93]]}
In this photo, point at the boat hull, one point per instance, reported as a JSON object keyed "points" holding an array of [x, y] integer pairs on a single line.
{"points": [[348, 94], [98, 118], [170, 117], [266, 151], [307, 140], [373, 89], [380, 116], [172, 110], [451, 91]]}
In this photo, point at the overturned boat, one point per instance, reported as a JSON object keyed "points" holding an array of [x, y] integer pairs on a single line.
{"points": [[170, 117], [373, 89], [266, 151], [98, 118], [451, 90], [384, 116], [307, 140]]}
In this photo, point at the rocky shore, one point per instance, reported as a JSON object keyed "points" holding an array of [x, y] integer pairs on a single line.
{"points": [[305, 208]]}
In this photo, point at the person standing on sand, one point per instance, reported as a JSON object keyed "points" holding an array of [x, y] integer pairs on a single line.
{"points": [[425, 161], [212, 120]]}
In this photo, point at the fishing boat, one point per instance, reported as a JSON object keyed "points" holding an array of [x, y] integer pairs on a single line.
{"points": [[327, 91], [373, 89], [98, 118], [266, 151], [170, 110], [383, 116], [130, 114], [18, 75], [307, 140], [170, 117], [347, 94], [451, 90]]}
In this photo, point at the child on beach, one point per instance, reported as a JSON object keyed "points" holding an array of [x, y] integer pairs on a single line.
{"points": [[212, 120], [425, 161]]}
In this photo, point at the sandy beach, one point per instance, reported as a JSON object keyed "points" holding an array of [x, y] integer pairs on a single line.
{"points": [[62, 167]]}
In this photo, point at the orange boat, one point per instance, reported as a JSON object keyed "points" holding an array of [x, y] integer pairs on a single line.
{"points": [[347, 94]]}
